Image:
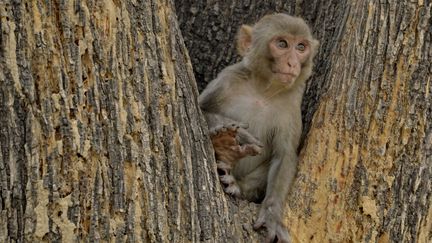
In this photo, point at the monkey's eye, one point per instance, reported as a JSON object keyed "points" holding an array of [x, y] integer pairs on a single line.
{"points": [[301, 47], [282, 44]]}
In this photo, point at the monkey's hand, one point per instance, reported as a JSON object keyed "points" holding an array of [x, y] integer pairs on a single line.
{"points": [[232, 143], [270, 217]]}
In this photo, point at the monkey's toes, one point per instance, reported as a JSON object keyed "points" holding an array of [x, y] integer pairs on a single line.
{"points": [[227, 179], [233, 190], [217, 130], [223, 167], [224, 131], [238, 125], [253, 149]]}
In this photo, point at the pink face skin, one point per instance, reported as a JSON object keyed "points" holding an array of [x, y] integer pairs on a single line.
{"points": [[288, 53]]}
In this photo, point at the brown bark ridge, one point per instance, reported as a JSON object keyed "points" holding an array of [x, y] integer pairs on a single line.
{"points": [[366, 168], [366, 163], [101, 138]]}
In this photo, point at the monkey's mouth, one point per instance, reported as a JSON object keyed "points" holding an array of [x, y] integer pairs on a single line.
{"points": [[285, 77]]}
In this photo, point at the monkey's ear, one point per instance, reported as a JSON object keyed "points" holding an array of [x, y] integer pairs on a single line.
{"points": [[315, 45], [244, 39]]}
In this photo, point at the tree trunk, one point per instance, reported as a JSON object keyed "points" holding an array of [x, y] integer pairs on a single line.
{"points": [[365, 171], [101, 137]]}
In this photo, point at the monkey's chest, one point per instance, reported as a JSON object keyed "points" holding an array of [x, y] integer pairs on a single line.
{"points": [[252, 110], [261, 104]]}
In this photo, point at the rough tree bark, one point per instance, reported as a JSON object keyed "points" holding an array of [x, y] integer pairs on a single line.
{"points": [[101, 137], [366, 164]]}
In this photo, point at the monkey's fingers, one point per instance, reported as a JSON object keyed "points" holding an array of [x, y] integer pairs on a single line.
{"points": [[282, 234], [235, 126], [258, 225], [232, 127], [217, 130], [244, 137], [260, 222], [252, 149], [273, 230], [243, 125], [271, 235], [222, 165], [224, 130], [248, 150]]}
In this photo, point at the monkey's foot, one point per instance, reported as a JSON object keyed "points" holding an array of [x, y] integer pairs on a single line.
{"points": [[233, 190], [227, 179], [231, 187], [223, 167]]}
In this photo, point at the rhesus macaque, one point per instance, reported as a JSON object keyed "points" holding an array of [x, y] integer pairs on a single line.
{"points": [[254, 115]]}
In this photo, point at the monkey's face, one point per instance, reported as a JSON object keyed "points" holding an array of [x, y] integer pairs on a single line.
{"points": [[288, 53]]}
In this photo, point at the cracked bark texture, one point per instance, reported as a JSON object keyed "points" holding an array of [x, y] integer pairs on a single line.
{"points": [[101, 137], [365, 169]]}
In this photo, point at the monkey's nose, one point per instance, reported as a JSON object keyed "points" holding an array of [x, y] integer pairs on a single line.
{"points": [[292, 64]]}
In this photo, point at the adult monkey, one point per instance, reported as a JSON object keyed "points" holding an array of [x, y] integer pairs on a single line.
{"points": [[260, 98]]}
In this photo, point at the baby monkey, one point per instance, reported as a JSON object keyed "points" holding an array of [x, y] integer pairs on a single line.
{"points": [[253, 109]]}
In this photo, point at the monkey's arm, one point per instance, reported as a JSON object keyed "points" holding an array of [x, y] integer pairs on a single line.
{"points": [[211, 102], [281, 175], [280, 178]]}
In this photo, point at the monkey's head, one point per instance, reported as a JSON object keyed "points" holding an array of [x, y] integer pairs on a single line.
{"points": [[278, 49]]}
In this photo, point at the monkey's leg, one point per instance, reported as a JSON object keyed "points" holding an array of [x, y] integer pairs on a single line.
{"points": [[280, 177], [253, 184]]}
